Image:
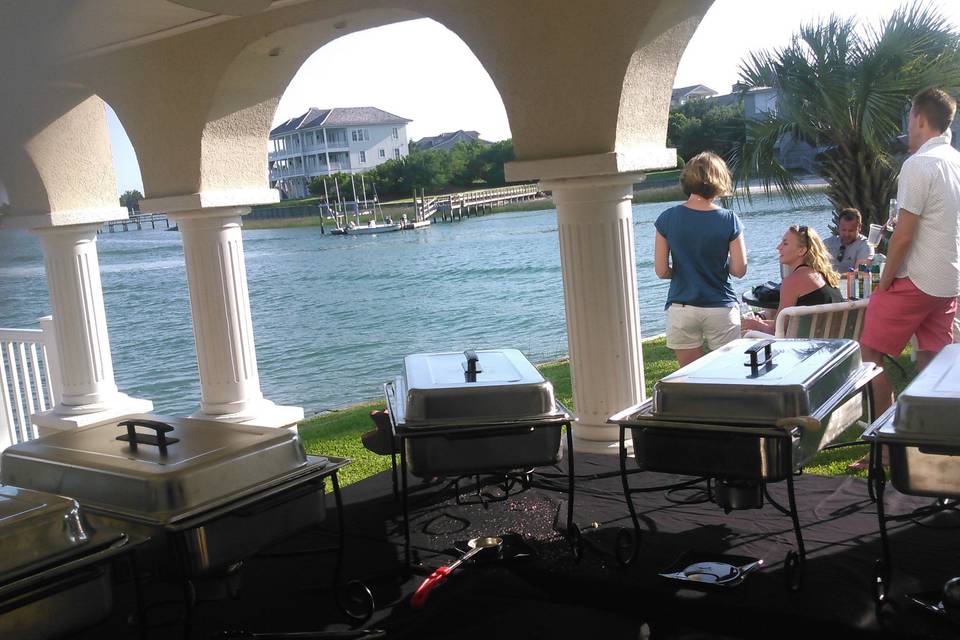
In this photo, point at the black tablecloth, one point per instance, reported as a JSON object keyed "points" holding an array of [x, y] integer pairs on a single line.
{"points": [[552, 596]]}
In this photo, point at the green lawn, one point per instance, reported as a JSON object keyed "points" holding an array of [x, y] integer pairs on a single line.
{"points": [[338, 433]]}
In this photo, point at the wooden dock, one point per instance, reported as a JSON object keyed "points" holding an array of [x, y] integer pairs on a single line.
{"points": [[137, 221], [454, 206]]}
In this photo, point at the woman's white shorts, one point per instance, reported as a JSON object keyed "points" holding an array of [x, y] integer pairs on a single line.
{"points": [[688, 326]]}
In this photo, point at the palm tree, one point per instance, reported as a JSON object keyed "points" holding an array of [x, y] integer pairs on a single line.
{"points": [[846, 90]]}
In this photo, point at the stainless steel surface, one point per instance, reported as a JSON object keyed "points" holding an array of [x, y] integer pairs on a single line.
{"points": [[483, 452], [213, 497], [37, 529], [744, 451], [54, 577], [721, 388], [458, 448], [59, 607], [435, 388], [920, 464], [930, 403], [212, 463]]}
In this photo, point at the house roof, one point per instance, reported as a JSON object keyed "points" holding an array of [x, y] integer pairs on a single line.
{"points": [[449, 137], [337, 117], [682, 92]]}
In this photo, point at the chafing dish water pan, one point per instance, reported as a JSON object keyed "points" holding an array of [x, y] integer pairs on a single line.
{"points": [[208, 493], [54, 577], [920, 464], [921, 431], [473, 412]]}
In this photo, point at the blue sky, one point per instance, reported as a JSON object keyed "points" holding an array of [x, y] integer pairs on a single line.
{"points": [[404, 52]]}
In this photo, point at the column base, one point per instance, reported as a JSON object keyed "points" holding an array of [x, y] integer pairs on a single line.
{"points": [[597, 446], [66, 417], [598, 439], [263, 414]]}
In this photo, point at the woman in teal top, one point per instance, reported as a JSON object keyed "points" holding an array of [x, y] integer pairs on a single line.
{"points": [[699, 245]]}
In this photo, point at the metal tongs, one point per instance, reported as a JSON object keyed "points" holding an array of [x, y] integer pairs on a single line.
{"points": [[721, 574]]}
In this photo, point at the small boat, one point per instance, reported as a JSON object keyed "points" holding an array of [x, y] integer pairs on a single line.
{"points": [[370, 228]]}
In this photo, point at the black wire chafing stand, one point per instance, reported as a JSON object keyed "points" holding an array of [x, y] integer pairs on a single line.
{"points": [[782, 438], [560, 420], [878, 437]]}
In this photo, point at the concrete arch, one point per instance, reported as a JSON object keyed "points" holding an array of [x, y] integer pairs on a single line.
{"points": [[237, 128], [57, 161], [198, 105]]}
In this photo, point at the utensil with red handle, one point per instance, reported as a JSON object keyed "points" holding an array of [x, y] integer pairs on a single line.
{"points": [[477, 546]]}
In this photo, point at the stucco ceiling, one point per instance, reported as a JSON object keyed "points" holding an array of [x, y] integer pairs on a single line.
{"points": [[64, 29]]}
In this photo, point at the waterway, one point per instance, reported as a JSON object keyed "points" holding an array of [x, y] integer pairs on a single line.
{"points": [[334, 316]]}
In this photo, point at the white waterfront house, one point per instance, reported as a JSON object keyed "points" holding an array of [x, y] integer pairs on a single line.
{"points": [[322, 142]]}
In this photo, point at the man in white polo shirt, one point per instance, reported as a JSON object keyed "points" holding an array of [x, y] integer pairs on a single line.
{"points": [[917, 294]]}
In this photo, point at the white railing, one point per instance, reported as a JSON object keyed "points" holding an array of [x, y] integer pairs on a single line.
{"points": [[30, 379]]}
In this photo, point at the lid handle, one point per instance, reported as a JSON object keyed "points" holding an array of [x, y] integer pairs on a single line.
{"points": [[160, 439], [472, 366], [767, 347]]}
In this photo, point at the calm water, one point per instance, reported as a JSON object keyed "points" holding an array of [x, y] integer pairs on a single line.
{"points": [[334, 316]]}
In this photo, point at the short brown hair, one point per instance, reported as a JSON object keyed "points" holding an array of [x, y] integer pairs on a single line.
{"points": [[707, 175], [849, 214], [937, 106]]}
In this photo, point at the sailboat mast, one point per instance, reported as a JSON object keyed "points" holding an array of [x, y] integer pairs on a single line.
{"points": [[356, 205], [336, 185], [376, 199], [326, 201], [363, 192]]}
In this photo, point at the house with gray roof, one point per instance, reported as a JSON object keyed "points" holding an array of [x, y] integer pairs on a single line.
{"points": [[322, 142], [447, 141], [680, 95]]}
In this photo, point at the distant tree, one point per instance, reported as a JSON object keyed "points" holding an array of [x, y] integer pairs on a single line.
{"points": [[492, 159], [702, 125], [847, 90], [131, 200], [467, 165]]}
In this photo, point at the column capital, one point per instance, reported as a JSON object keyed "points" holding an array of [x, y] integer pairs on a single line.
{"points": [[37, 221], [637, 158], [210, 199], [68, 231], [214, 217]]}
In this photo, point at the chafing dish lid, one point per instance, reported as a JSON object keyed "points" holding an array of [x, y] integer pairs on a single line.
{"points": [[202, 461], [794, 362], [723, 385], [473, 386], [448, 370], [930, 402], [38, 529]]}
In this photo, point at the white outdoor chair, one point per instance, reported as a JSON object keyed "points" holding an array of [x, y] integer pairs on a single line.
{"points": [[835, 320]]}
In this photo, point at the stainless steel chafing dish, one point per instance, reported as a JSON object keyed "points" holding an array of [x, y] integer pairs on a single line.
{"points": [[921, 435], [747, 414], [472, 412], [208, 494], [921, 431], [751, 409], [54, 574]]}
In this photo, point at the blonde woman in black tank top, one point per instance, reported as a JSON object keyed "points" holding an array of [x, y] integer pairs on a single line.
{"points": [[811, 280]]}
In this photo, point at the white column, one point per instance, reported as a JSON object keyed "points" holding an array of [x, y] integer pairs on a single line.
{"points": [[598, 261], [222, 325], [89, 393]]}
